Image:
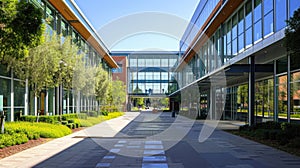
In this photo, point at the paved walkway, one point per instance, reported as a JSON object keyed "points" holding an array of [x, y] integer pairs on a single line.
{"points": [[151, 140], [38, 154]]}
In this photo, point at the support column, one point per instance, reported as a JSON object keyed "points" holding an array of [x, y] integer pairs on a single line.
{"points": [[35, 105], [289, 90], [275, 96], [251, 94], [212, 103], [12, 111], [68, 103], [54, 103], [47, 103], [57, 104], [26, 98]]}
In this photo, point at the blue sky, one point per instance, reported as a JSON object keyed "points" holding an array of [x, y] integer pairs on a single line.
{"points": [[139, 24]]}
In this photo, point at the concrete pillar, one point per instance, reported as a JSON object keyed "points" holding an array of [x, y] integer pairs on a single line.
{"points": [[289, 90], [26, 98], [12, 97], [251, 88]]}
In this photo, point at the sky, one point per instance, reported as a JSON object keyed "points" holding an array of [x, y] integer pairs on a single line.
{"points": [[139, 25]]}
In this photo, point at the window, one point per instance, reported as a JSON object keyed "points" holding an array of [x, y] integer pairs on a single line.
{"points": [[156, 75], [164, 75], [133, 62], [141, 76], [248, 24], [141, 63], [164, 63], [241, 30], [257, 21], [149, 75], [257, 31], [280, 14], [268, 24]]}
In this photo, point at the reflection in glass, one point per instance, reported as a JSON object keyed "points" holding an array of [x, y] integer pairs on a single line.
{"points": [[280, 14]]}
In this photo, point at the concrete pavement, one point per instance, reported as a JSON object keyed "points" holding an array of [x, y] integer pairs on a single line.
{"points": [[139, 140]]}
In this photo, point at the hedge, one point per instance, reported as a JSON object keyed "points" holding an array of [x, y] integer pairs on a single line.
{"points": [[20, 132]]}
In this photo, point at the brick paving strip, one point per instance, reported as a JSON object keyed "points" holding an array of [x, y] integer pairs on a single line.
{"points": [[38, 154]]}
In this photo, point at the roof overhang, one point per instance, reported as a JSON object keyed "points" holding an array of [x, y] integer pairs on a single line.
{"points": [[68, 14]]}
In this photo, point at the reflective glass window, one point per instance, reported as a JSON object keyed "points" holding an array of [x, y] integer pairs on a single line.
{"points": [[268, 6], [164, 75], [257, 31], [149, 75], [268, 24], [248, 37], [141, 75], [156, 75], [164, 63], [141, 63], [234, 47], [257, 10], [280, 14], [241, 21], [133, 62], [248, 17], [234, 26]]}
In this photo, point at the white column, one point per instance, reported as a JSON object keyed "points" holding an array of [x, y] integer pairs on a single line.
{"points": [[12, 97], [68, 103], [53, 100], [26, 98], [35, 105]]}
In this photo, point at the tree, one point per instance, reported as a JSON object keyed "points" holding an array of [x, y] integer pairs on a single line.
{"points": [[102, 85], [49, 65], [41, 66], [292, 33], [118, 93], [20, 29]]}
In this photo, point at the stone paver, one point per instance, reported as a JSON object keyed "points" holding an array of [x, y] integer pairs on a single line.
{"points": [[38, 154]]}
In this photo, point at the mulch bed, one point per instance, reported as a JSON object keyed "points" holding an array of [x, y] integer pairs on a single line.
{"points": [[7, 151]]}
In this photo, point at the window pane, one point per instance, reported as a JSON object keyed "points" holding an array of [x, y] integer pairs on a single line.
{"points": [[164, 76], [268, 6], [241, 21], [234, 47], [257, 10], [133, 62], [280, 14], [156, 75], [149, 75], [141, 63], [141, 75], [249, 37], [268, 24], [294, 5], [241, 42], [228, 31], [248, 17], [164, 62], [234, 27], [257, 31]]}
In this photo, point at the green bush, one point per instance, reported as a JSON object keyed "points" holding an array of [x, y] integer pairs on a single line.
{"points": [[104, 113], [82, 116], [71, 121], [64, 122]]}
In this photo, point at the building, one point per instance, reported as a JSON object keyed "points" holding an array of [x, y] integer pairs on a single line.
{"points": [[120, 73], [234, 57], [149, 75], [63, 17]]}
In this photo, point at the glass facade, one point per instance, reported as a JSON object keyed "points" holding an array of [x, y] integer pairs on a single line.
{"points": [[14, 90], [150, 73], [252, 22]]}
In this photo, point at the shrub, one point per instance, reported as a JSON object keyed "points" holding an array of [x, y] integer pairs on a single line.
{"points": [[82, 116], [64, 122], [70, 121], [104, 113]]}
